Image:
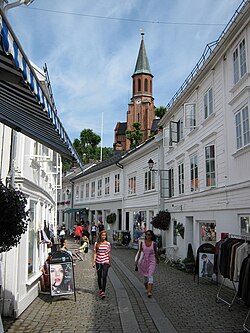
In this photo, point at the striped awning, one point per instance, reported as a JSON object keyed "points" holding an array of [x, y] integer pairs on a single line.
{"points": [[24, 102]]}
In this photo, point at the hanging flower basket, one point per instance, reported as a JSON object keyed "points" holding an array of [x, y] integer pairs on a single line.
{"points": [[161, 220], [111, 218], [13, 218]]}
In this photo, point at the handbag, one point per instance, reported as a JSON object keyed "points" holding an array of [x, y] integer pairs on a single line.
{"points": [[86, 250]]}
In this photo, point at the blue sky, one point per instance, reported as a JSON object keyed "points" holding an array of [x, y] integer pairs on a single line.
{"points": [[91, 47]]}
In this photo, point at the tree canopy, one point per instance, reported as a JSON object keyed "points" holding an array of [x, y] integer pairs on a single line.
{"points": [[134, 136], [87, 149], [160, 111]]}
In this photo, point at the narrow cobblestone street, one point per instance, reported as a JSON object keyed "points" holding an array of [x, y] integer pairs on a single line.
{"points": [[179, 304]]}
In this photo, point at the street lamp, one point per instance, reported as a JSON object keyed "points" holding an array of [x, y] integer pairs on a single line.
{"points": [[151, 164]]}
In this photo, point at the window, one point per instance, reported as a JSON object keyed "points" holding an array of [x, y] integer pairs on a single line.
{"points": [[239, 61], [139, 84], [208, 103], [146, 84], [149, 181], [106, 185], [32, 239], [190, 116], [132, 185], [81, 191], [208, 232], [176, 131], [117, 183], [181, 178], [245, 224], [77, 193], [242, 128], [194, 181], [210, 165], [92, 189], [99, 188], [171, 182], [87, 190]]}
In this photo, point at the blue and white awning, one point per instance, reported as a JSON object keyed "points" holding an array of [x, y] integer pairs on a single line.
{"points": [[24, 104]]}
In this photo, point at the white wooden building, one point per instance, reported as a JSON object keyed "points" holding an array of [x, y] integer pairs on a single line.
{"points": [[32, 140]]}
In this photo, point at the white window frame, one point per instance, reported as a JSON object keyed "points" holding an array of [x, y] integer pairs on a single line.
{"points": [[87, 191], [210, 166], [194, 173], [99, 187], [92, 189], [242, 127], [107, 186], [132, 185], [190, 115], [117, 183], [239, 61], [149, 181], [208, 103], [181, 178]]}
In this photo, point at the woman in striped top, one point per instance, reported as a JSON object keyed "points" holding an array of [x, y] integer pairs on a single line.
{"points": [[101, 260]]}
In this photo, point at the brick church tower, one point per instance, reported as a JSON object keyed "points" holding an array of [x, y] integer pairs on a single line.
{"points": [[141, 106]]}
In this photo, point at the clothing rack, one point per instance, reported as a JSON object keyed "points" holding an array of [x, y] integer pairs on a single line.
{"points": [[245, 323], [234, 283]]}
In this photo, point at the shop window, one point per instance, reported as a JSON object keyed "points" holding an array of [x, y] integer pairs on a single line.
{"points": [[208, 232], [32, 239], [245, 224]]}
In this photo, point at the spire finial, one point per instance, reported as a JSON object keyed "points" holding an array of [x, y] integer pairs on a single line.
{"points": [[142, 33]]}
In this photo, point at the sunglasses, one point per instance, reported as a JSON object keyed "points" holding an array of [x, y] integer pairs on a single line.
{"points": [[148, 234]]}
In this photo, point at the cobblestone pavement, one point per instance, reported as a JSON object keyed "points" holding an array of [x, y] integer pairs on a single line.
{"points": [[187, 305]]}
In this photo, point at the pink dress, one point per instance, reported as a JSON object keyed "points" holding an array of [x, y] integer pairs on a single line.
{"points": [[148, 264]]}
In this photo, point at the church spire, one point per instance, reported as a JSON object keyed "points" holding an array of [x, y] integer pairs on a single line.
{"points": [[142, 64]]}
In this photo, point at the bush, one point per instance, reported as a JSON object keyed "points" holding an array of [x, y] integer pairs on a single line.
{"points": [[13, 219]]}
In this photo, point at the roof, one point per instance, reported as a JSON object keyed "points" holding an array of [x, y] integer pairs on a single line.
{"points": [[24, 102], [142, 64], [154, 126], [104, 164], [121, 128]]}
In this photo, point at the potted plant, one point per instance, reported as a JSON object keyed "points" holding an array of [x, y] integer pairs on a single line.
{"points": [[180, 229], [13, 218], [189, 261], [161, 220], [111, 218]]}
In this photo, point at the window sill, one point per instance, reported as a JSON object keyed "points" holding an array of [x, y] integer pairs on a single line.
{"points": [[241, 151], [239, 83], [207, 120], [33, 278]]}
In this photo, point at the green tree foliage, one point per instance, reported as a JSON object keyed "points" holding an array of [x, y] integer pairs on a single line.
{"points": [[87, 149], [160, 111], [134, 136]]}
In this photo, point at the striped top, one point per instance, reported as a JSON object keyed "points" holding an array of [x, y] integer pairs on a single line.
{"points": [[102, 255]]}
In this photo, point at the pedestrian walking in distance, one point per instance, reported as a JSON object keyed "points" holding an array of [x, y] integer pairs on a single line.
{"points": [[149, 260], [101, 261]]}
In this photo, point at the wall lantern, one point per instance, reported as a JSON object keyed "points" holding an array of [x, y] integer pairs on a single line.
{"points": [[151, 164]]}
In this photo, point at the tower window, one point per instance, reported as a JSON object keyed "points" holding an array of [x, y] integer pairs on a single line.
{"points": [[150, 87], [146, 84], [139, 84]]}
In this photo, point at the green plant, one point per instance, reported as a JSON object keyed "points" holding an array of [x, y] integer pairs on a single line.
{"points": [[111, 218], [162, 220], [180, 229], [13, 219]]}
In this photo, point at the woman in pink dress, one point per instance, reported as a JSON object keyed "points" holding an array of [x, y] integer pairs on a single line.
{"points": [[148, 263]]}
